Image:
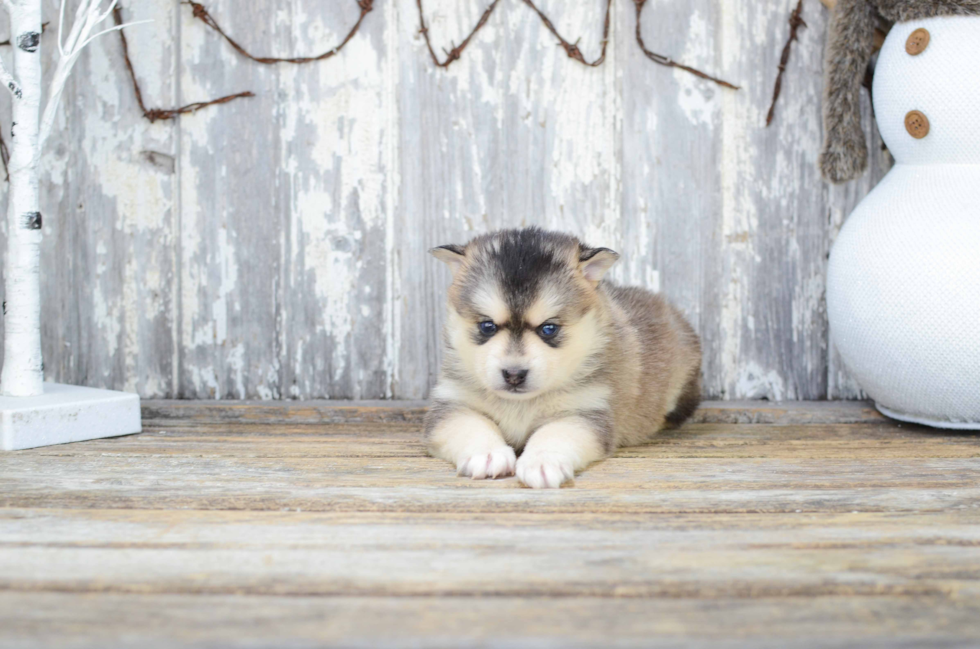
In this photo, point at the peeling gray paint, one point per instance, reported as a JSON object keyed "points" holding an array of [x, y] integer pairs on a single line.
{"points": [[275, 248]]}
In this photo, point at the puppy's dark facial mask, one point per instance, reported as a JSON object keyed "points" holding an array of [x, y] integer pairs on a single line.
{"points": [[522, 317]]}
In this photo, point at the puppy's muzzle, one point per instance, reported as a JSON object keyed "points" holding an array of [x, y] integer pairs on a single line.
{"points": [[514, 378]]}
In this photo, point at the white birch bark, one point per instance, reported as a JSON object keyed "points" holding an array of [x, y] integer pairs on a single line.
{"points": [[22, 371], [23, 374]]}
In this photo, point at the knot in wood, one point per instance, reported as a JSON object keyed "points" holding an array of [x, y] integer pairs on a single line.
{"points": [[31, 220], [29, 41]]}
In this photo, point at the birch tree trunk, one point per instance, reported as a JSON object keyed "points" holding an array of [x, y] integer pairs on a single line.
{"points": [[22, 370]]}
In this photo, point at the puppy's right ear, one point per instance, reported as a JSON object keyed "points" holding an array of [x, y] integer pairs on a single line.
{"points": [[451, 255], [594, 262]]}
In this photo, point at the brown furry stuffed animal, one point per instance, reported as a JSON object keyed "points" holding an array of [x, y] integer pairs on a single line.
{"points": [[849, 46]]}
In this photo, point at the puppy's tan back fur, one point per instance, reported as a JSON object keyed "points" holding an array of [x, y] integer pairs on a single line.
{"points": [[661, 354]]}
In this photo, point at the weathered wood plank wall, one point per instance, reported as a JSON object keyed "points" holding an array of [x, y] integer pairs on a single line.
{"points": [[275, 247]]}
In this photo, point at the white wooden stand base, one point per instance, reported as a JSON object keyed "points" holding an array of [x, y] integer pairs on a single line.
{"points": [[66, 413]]}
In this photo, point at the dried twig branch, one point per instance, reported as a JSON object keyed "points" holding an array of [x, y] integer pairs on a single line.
{"points": [[663, 60], [4, 151], [154, 114], [88, 16], [457, 50], [795, 22], [8, 80], [572, 48], [202, 14]]}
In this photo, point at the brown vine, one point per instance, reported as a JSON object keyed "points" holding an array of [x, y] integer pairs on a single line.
{"points": [[457, 50], [795, 22], [663, 60], [154, 114], [202, 14], [366, 6], [572, 48]]}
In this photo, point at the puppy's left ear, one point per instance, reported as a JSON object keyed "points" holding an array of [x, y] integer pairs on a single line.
{"points": [[451, 255], [594, 262]]}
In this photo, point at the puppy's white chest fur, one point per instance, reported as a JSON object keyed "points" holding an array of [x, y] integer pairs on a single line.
{"points": [[517, 419]]}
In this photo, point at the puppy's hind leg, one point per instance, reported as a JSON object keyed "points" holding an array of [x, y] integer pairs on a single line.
{"points": [[470, 441], [687, 403]]}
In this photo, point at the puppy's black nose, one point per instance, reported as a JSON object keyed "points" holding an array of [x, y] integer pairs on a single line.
{"points": [[514, 377]]}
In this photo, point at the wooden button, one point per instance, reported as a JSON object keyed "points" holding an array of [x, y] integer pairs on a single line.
{"points": [[917, 124], [918, 42]]}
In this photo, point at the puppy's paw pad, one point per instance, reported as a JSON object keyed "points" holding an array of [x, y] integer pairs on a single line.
{"points": [[497, 463], [544, 471]]}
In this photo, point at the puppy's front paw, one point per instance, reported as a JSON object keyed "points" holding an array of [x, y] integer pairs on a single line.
{"points": [[495, 464], [543, 470]]}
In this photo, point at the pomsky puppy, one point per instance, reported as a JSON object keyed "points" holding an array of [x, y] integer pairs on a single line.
{"points": [[544, 358]]}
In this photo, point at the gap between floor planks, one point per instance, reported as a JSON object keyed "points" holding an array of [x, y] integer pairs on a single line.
{"points": [[172, 412]]}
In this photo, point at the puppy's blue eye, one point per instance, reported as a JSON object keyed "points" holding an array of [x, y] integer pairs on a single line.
{"points": [[549, 330], [488, 328]]}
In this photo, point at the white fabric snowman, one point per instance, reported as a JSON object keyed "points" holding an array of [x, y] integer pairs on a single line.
{"points": [[903, 286]]}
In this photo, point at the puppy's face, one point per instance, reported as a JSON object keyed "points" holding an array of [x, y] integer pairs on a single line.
{"points": [[523, 317]]}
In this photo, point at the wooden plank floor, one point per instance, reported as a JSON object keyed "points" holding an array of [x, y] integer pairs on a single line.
{"points": [[306, 525]]}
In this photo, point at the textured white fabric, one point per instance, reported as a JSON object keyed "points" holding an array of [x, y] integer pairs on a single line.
{"points": [[943, 82], [903, 286]]}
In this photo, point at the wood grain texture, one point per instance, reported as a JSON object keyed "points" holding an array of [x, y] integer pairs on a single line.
{"points": [[275, 247], [226, 529], [334, 156], [671, 176], [774, 215], [373, 467], [232, 220], [152, 621], [723, 557]]}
